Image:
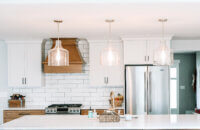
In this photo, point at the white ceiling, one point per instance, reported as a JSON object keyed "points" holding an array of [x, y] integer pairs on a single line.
{"points": [[33, 19]]}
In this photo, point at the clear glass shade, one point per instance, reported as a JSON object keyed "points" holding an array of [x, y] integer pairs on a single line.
{"points": [[163, 55], [109, 57], [58, 56]]}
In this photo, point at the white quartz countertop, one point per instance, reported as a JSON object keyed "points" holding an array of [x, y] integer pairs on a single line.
{"points": [[95, 107], [82, 122]]}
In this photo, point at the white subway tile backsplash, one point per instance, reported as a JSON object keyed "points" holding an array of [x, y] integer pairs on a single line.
{"points": [[68, 88], [38, 90], [64, 90], [26, 90], [51, 90], [58, 94], [70, 81]]}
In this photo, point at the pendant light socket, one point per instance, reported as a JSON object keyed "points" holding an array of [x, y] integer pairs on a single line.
{"points": [[163, 20], [58, 21], [109, 20]]}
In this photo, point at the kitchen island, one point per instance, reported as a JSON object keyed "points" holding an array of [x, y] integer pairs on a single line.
{"points": [[83, 122]]}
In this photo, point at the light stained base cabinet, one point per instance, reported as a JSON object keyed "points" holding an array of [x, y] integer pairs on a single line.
{"points": [[9, 115], [100, 111]]}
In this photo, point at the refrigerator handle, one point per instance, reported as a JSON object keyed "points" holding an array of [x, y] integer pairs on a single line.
{"points": [[145, 92], [149, 98]]}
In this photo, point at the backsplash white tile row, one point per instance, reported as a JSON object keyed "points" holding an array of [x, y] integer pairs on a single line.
{"points": [[69, 88]]}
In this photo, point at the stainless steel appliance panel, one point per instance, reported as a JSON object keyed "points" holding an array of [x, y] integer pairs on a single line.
{"points": [[147, 90], [136, 79], [158, 88]]}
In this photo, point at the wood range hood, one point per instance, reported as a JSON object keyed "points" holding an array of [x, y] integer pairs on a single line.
{"points": [[75, 59]]}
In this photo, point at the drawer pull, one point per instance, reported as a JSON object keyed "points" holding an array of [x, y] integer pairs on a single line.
{"points": [[24, 113]]}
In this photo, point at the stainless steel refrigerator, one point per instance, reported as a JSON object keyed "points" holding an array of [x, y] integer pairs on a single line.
{"points": [[147, 90]]}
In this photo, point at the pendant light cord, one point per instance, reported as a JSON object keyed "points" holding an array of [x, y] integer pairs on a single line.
{"points": [[109, 21], [58, 30], [109, 33], [163, 31]]}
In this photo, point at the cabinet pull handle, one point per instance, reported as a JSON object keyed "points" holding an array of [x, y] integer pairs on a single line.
{"points": [[106, 80], [148, 58], [145, 58], [25, 80], [22, 80]]}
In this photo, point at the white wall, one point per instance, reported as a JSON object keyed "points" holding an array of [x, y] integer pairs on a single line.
{"points": [[69, 87], [190, 46], [3, 78], [185, 45]]}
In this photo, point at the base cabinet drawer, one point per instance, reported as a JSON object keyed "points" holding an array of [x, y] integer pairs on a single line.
{"points": [[100, 111], [9, 115]]}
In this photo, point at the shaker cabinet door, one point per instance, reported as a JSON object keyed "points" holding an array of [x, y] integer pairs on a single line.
{"points": [[97, 72], [33, 65], [153, 45], [16, 66], [135, 52], [105, 75], [24, 65], [116, 73]]}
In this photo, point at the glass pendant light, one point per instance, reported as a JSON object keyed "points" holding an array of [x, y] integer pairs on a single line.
{"points": [[163, 55], [109, 55], [58, 56]]}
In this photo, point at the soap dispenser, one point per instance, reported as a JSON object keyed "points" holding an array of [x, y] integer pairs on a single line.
{"points": [[90, 113]]}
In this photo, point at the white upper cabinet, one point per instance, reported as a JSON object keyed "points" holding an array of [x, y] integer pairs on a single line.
{"points": [[33, 65], [24, 65], [105, 75], [135, 52], [153, 45], [16, 65], [3, 66], [141, 50]]}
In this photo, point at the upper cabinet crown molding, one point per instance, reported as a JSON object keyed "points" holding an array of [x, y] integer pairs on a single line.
{"points": [[23, 42], [92, 41], [145, 37]]}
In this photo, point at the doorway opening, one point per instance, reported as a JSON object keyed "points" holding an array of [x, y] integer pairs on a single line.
{"points": [[183, 83], [174, 87]]}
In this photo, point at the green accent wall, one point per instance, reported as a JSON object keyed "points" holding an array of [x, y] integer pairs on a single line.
{"points": [[198, 77], [187, 67]]}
